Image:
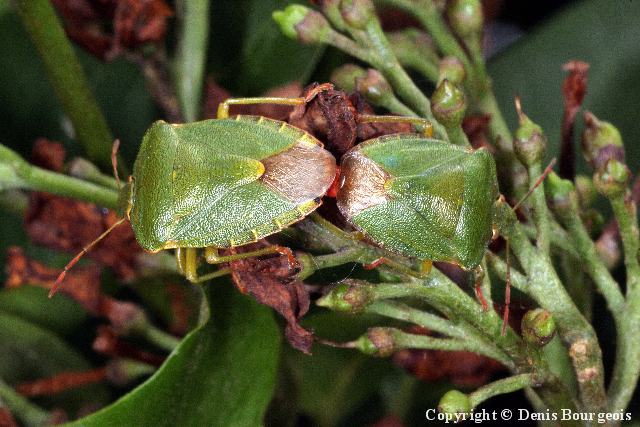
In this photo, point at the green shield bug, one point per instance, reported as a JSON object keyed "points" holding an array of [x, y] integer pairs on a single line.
{"points": [[421, 197]]}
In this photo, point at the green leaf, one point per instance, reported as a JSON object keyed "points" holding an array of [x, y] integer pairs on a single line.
{"points": [[604, 34], [60, 315], [29, 352], [222, 374], [249, 55], [333, 382]]}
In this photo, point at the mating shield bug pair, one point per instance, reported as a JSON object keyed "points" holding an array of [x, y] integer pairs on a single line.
{"points": [[230, 181]]}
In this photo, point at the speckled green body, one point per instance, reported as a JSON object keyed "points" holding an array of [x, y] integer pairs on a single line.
{"points": [[421, 197], [223, 183]]}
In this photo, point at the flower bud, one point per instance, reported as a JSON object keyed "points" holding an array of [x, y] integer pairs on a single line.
{"points": [[452, 69], [586, 190], [300, 22], [345, 76], [538, 327], [601, 142], [374, 87], [357, 13], [348, 296], [561, 194], [378, 342], [449, 104], [453, 403], [530, 142], [611, 180], [465, 17]]}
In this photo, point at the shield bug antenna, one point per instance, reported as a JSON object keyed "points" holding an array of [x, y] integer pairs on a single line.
{"points": [[507, 292]]}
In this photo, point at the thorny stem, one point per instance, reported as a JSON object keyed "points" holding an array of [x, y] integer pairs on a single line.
{"points": [[627, 365], [545, 287], [27, 412], [67, 77], [503, 386]]}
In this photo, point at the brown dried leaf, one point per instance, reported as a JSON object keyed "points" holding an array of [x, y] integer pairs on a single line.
{"points": [[82, 283], [107, 27], [6, 419], [476, 128], [69, 225], [330, 117], [272, 282], [107, 342], [462, 368]]}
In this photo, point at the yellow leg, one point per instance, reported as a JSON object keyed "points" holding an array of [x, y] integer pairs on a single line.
{"points": [[213, 257], [424, 124], [223, 108], [187, 260]]}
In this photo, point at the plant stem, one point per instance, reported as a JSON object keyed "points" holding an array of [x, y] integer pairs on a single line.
{"points": [[591, 262], [160, 338], [541, 215], [545, 287], [192, 48], [627, 365], [15, 172], [27, 412], [67, 77], [504, 386], [400, 311]]}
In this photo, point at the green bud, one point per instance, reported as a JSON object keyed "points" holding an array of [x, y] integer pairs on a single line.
{"points": [[304, 24], [345, 76], [601, 142], [561, 194], [587, 192], [466, 17], [530, 142], [455, 405], [611, 180], [449, 104], [538, 327], [348, 296], [378, 342], [374, 87], [357, 13], [452, 69]]}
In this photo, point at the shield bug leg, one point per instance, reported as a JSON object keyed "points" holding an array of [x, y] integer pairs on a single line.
{"points": [[223, 108], [212, 255], [478, 276], [427, 127]]}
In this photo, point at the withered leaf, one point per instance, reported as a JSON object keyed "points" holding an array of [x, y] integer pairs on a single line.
{"points": [[462, 368], [105, 28], [574, 89], [271, 282], [330, 117]]}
